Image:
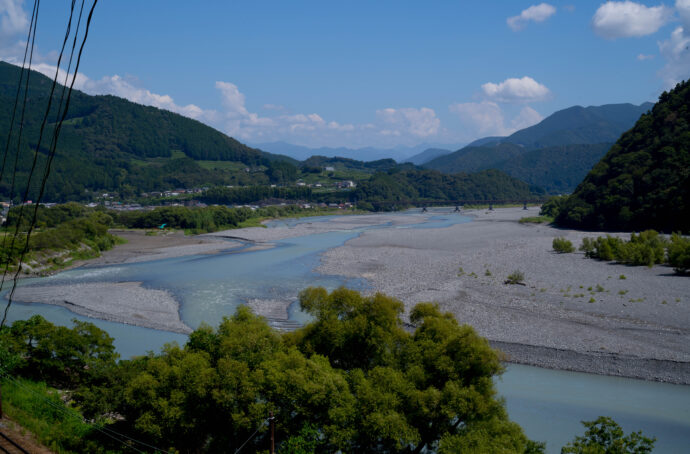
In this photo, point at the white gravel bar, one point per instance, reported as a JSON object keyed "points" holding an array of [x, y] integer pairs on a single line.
{"points": [[574, 313], [123, 302]]}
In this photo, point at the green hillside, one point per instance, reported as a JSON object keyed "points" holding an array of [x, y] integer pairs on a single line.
{"points": [[580, 125], [111, 144], [643, 182], [555, 153]]}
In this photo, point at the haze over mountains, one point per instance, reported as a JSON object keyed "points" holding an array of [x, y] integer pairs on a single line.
{"points": [[400, 154]]}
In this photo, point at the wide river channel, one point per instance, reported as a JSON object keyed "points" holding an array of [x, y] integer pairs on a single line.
{"points": [[548, 404]]}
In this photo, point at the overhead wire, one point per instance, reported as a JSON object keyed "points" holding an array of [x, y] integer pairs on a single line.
{"points": [[31, 38], [62, 113], [251, 437]]}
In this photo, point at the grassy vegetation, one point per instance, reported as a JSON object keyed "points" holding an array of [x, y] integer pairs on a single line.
{"points": [[562, 246], [517, 277], [536, 220], [41, 410]]}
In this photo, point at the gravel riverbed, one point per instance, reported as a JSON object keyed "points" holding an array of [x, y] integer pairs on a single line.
{"points": [[573, 313]]}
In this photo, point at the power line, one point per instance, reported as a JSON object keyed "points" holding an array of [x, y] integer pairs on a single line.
{"points": [[252, 435], [30, 39], [53, 144]]}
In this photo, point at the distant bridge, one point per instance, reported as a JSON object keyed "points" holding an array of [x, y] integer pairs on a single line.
{"points": [[398, 204]]}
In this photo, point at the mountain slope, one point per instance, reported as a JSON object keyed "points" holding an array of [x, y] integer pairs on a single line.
{"points": [[555, 153], [644, 180], [427, 155], [111, 144], [580, 125]]}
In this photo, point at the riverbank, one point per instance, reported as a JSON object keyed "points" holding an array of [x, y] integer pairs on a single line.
{"points": [[573, 313]]}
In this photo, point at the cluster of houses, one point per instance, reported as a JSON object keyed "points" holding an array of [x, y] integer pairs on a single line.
{"points": [[347, 184]]}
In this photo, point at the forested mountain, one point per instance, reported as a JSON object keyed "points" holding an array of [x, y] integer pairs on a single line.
{"points": [[414, 184], [111, 144], [580, 125], [643, 182], [555, 153]]}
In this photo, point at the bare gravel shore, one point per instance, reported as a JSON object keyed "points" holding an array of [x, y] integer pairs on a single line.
{"points": [[141, 247], [573, 313], [123, 302]]}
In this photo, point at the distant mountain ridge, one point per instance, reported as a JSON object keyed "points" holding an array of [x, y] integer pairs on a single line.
{"points": [[301, 153], [555, 154]]}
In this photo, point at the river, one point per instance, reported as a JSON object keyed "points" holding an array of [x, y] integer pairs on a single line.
{"points": [[548, 404]]}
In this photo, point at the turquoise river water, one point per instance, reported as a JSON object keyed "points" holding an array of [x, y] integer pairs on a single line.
{"points": [[548, 404]]}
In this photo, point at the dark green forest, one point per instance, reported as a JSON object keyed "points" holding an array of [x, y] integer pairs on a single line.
{"points": [[643, 182], [111, 144]]}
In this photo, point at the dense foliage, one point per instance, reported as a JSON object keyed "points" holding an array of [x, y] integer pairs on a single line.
{"points": [[61, 235], [643, 181], [405, 185], [605, 436], [647, 248], [353, 380], [249, 194]]}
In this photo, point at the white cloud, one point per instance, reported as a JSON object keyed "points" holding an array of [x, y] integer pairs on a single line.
{"points": [[643, 57], [233, 100], [13, 19], [629, 19], [535, 13], [683, 8], [676, 52], [418, 122], [526, 118], [487, 118], [516, 90]]}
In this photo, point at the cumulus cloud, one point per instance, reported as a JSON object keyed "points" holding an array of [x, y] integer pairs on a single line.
{"points": [[535, 13], [675, 51], [526, 118], [13, 19], [629, 19], [512, 90], [683, 8], [487, 118], [643, 57], [418, 122]]}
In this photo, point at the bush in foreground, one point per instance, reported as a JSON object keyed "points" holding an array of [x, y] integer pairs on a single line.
{"points": [[605, 436]]}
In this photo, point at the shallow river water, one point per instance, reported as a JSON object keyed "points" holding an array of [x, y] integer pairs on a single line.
{"points": [[548, 404]]}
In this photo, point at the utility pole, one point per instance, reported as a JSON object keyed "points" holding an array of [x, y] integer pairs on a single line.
{"points": [[272, 422]]}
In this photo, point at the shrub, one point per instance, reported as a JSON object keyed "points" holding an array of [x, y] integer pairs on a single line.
{"points": [[562, 246], [679, 253], [646, 248], [516, 277]]}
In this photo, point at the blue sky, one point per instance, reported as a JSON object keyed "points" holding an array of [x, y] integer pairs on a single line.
{"points": [[371, 73]]}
